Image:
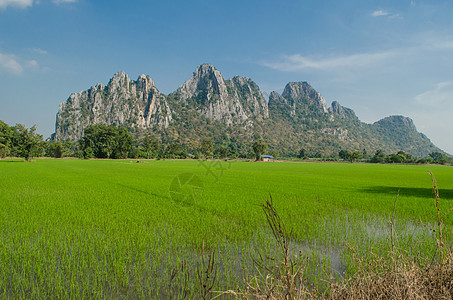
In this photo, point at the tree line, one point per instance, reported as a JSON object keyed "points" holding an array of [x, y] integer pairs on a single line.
{"points": [[112, 142], [380, 157], [18, 141]]}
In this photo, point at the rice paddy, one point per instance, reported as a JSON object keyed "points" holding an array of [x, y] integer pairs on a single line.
{"points": [[120, 229]]}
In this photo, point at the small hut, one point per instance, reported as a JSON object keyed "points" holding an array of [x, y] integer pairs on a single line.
{"points": [[267, 158]]}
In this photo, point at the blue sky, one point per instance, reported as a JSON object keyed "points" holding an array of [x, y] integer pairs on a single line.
{"points": [[379, 58]]}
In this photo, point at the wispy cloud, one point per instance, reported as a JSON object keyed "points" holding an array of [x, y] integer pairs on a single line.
{"points": [[12, 64], [383, 13], [39, 51], [379, 13], [440, 96], [423, 46], [299, 62], [63, 1], [27, 3], [16, 3]]}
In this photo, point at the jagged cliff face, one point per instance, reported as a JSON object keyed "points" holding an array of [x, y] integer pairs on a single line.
{"points": [[302, 94], [122, 102], [209, 105], [339, 112], [235, 101]]}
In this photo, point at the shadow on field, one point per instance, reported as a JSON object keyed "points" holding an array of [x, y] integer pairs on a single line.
{"points": [[11, 161], [409, 192], [141, 191]]}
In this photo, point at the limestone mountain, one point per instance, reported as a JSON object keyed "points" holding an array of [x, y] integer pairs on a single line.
{"points": [[233, 112], [122, 102], [234, 101]]}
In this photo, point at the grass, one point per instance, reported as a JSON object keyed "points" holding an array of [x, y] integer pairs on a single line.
{"points": [[110, 229]]}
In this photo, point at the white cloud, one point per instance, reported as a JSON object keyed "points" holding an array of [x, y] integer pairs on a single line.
{"points": [[440, 96], [424, 46], [39, 51], [299, 62], [27, 3], [12, 64], [16, 3], [379, 13], [383, 13], [63, 1], [32, 64]]}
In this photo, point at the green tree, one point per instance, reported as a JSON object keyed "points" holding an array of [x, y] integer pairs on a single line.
{"points": [[28, 141], [222, 152], [302, 153], [3, 150], [354, 156], [102, 141], [6, 135], [397, 158], [259, 147], [207, 147], [343, 154], [378, 157], [438, 157], [175, 150], [151, 146], [124, 142], [55, 150]]}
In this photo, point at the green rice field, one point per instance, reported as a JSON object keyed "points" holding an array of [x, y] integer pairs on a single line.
{"points": [[120, 229]]}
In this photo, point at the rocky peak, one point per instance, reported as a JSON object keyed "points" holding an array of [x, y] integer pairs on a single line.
{"points": [[338, 111], [145, 84], [231, 101], [274, 96], [249, 95], [205, 78], [123, 102], [276, 99], [336, 108], [119, 81], [397, 122], [302, 93]]}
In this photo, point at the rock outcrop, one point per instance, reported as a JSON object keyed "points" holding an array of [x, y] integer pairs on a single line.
{"points": [[302, 94], [122, 102], [235, 101]]}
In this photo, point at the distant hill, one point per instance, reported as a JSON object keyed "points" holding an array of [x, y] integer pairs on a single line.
{"points": [[234, 113]]}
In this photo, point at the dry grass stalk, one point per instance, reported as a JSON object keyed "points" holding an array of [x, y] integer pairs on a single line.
{"points": [[179, 289], [402, 277], [207, 273], [281, 275], [405, 278]]}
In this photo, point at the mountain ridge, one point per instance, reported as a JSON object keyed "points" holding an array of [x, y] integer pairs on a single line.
{"points": [[208, 105]]}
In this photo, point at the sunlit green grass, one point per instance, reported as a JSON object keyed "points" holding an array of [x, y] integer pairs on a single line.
{"points": [[100, 228]]}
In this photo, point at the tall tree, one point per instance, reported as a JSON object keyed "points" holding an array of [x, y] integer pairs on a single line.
{"points": [[259, 147], [27, 140], [437, 156], [6, 136], [151, 145], [102, 141], [343, 154], [353, 156], [207, 147], [55, 150], [302, 153]]}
